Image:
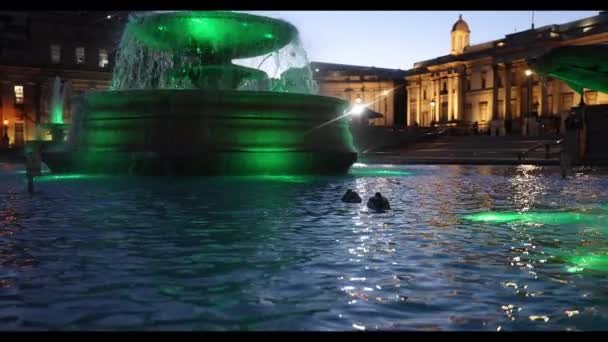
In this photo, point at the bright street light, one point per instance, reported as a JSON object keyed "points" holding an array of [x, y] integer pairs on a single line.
{"points": [[358, 109]]}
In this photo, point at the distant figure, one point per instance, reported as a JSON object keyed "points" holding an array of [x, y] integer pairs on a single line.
{"points": [[378, 203], [351, 197], [5, 141]]}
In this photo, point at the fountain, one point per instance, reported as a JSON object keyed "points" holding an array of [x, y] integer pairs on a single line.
{"points": [[56, 125], [185, 101]]}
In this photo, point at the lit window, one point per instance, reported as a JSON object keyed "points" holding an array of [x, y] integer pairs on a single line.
{"points": [[18, 94], [103, 58], [55, 53], [80, 55]]}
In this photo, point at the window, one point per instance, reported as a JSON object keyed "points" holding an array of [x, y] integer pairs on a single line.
{"points": [[55, 53], [468, 83], [103, 58], [18, 94], [483, 111], [80, 55], [445, 87], [591, 97], [468, 112], [483, 83], [424, 94], [567, 100], [499, 82], [444, 111]]}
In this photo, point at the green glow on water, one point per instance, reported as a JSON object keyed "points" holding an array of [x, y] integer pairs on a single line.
{"points": [[23, 172], [494, 217], [63, 177], [534, 217], [371, 172], [279, 178], [588, 262]]}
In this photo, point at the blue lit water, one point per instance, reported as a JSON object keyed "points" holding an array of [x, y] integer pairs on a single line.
{"points": [[283, 253]]}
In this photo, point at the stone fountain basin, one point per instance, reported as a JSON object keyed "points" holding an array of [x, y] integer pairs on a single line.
{"points": [[195, 132]]}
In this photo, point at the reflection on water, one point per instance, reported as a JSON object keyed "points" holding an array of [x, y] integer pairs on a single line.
{"points": [[463, 248]]}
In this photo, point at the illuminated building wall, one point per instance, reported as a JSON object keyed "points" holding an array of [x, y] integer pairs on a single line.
{"points": [[488, 80]]}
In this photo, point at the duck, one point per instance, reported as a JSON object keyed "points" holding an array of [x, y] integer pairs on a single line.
{"points": [[351, 197], [378, 202]]}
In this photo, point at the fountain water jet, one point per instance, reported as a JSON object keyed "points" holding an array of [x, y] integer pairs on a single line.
{"points": [[187, 100]]}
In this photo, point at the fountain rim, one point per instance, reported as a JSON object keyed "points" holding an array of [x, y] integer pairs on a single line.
{"points": [[219, 96]]}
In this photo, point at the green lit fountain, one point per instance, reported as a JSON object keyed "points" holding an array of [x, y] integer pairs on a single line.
{"points": [[184, 101]]}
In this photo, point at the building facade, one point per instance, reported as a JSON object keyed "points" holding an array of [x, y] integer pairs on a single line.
{"points": [[492, 83], [37, 47], [381, 90]]}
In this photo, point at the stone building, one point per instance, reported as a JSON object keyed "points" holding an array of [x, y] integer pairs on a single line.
{"points": [[382, 90], [492, 83], [36, 47]]}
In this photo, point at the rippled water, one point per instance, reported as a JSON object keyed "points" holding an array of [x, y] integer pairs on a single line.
{"points": [[284, 253]]}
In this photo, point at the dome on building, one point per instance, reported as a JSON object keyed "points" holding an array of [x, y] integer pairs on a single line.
{"points": [[461, 25]]}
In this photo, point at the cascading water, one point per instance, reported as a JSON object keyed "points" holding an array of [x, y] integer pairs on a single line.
{"points": [[60, 90], [141, 66]]}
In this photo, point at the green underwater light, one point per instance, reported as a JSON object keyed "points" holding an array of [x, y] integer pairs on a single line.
{"points": [[63, 177], [277, 178], [371, 172], [588, 262], [534, 217]]}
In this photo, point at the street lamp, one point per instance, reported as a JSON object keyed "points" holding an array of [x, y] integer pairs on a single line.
{"points": [[433, 109], [5, 140], [358, 99], [529, 79]]}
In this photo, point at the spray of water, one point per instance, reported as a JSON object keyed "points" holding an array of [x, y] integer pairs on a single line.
{"points": [[139, 66], [57, 102]]}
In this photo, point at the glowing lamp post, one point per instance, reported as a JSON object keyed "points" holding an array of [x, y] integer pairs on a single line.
{"points": [[433, 109], [529, 101], [385, 93], [5, 140]]}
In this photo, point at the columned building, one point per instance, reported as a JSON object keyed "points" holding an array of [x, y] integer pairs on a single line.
{"points": [[492, 83]]}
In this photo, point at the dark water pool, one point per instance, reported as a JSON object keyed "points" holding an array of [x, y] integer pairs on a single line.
{"points": [[283, 253]]}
